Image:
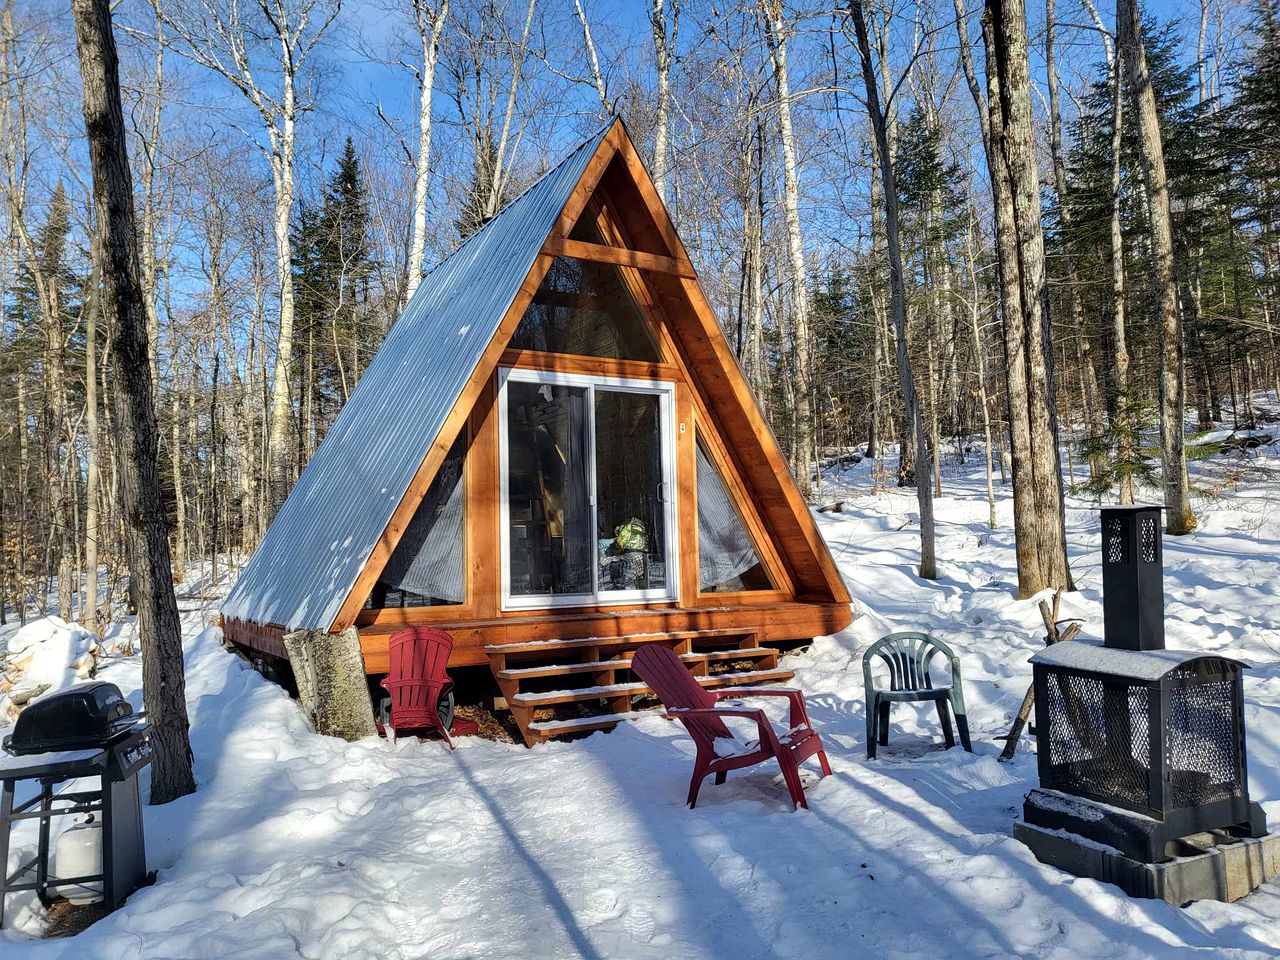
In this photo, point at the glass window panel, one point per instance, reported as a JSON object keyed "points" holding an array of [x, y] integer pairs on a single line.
{"points": [[727, 556], [586, 230], [584, 308], [630, 514], [549, 532], [425, 570]]}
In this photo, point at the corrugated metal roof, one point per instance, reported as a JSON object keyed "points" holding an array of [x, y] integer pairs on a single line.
{"points": [[319, 541]]}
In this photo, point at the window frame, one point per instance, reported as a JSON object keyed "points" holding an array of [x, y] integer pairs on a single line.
{"points": [[665, 391]]}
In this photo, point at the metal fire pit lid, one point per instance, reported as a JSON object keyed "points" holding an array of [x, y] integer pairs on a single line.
{"points": [[1144, 665]]}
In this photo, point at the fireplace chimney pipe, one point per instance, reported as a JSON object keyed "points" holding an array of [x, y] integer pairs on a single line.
{"points": [[1133, 578]]}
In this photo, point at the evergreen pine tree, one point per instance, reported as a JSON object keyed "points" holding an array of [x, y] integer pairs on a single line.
{"points": [[332, 266]]}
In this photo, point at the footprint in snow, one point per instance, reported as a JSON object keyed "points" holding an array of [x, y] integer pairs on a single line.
{"points": [[640, 923], [599, 906]]}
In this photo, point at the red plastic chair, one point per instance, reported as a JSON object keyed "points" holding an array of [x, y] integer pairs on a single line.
{"points": [[417, 680], [687, 701]]}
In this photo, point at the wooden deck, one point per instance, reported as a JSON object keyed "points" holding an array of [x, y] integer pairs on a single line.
{"points": [[770, 623]]}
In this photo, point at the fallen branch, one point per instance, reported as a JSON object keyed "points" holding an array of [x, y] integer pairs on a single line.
{"points": [[1052, 635]]}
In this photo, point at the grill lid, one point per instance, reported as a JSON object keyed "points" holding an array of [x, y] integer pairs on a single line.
{"points": [[86, 715], [1142, 665]]}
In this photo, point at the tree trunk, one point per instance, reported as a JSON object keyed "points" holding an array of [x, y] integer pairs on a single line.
{"points": [[1034, 436], [278, 459], [875, 293], [663, 52], [1177, 496], [897, 300], [164, 687], [593, 58], [24, 504], [1030, 577], [45, 271], [332, 690], [975, 330], [802, 367], [430, 19], [179, 488], [150, 142], [1122, 403], [89, 614], [753, 278]]}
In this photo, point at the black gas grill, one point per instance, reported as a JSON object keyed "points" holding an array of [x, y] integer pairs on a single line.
{"points": [[86, 715], [87, 731]]}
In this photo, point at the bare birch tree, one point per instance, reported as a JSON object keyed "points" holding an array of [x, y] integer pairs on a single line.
{"points": [[802, 450], [429, 19], [593, 59], [487, 102], [217, 36], [664, 44]]}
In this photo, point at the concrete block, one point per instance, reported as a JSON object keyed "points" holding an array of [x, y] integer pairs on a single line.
{"points": [[1229, 869]]}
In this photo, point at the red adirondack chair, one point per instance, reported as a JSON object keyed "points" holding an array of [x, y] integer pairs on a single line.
{"points": [[417, 681], [719, 751]]}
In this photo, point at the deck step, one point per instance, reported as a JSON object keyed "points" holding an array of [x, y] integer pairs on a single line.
{"points": [[745, 653], [631, 640], [614, 690], [624, 663], [552, 728], [601, 658]]}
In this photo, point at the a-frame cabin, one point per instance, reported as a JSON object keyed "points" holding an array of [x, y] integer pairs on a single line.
{"points": [[554, 455]]}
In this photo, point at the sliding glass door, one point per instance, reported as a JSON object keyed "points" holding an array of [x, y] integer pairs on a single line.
{"points": [[587, 468]]}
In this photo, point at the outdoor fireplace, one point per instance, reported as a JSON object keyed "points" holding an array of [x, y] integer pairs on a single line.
{"points": [[1140, 749]]}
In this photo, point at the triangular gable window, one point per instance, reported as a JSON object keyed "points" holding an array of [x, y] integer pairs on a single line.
{"points": [[583, 307], [727, 557]]}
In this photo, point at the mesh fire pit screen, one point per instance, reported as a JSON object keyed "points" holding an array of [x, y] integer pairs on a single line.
{"points": [[1139, 746], [1156, 732]]}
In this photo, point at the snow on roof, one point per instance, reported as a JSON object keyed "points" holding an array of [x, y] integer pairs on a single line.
{"points": [[322, 536], [1144, 665]]}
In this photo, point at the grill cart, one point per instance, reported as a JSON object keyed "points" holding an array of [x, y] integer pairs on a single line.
{"points": [[88, 731]]}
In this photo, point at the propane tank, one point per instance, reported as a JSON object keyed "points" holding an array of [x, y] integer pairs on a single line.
{"points": [[79, 854]]}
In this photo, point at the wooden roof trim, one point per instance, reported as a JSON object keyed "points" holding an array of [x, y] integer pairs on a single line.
{"points": [[590, 366], [599, 253]]}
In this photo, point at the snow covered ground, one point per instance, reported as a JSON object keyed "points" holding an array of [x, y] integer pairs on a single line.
{"points": [[298, 845]]}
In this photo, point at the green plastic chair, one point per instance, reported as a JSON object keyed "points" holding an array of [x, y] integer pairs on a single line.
{"points": [[909, 655]]}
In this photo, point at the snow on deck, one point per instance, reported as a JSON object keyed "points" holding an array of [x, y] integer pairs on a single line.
{"points": [[298, 845]]}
